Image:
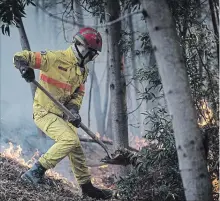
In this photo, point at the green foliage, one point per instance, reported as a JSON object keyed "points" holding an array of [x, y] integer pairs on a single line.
{"points": [[10, 13], [130, 5], [159, 178], [200, 52], [96, 7], [150, 75]]}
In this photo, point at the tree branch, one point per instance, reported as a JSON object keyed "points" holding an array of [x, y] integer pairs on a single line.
{"points": [[79, 24]]}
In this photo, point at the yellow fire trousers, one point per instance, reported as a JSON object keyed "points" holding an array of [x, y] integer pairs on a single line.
{"points": [[66, 144]]}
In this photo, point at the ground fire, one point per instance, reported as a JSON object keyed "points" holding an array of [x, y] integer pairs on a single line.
{"points": [[55, 186]]}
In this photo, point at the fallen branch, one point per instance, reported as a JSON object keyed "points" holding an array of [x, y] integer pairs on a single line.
{"points": [[124, 157], [105, 142]]}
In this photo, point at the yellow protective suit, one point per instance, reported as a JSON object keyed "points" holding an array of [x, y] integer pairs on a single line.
{"points": [[61, 75]]}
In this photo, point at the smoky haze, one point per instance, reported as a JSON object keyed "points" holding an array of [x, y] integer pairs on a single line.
{"points": [[43, 33]]}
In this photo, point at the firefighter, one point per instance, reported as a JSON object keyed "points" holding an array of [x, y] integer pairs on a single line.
{"points": [[63, 73]]}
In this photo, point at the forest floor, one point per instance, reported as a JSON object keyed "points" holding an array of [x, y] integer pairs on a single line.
{"points": [[14, 189]]}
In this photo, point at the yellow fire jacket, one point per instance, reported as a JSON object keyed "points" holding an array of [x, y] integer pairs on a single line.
{"points": [[60, 75]]}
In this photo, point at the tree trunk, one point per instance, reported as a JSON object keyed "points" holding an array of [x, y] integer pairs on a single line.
{"points": [[191, 156], [108, 116], [109, 132], [78, 13], [26, 46], [90, 92], [134, 72], [215, 26], [97, 105], [117, 84], [106, 97]]}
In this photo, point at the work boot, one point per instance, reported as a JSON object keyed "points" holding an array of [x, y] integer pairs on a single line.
{"points": [[35, 174], [93, 192]]}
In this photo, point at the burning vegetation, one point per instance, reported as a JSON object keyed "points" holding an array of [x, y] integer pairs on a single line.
{"points": [[54, 186], [152, 177], [206, 116]]}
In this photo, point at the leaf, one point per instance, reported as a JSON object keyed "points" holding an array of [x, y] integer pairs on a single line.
{"points": [[7, 30], [32, 3], [3, 29]]}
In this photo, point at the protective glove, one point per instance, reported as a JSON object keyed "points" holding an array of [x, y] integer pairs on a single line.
{"points": [[75, 111], [77, 118], [26, 72]]}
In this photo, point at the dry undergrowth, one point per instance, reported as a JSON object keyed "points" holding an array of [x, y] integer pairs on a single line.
{"points": [[14, 189]]}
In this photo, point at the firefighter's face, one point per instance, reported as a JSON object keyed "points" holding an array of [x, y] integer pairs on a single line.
{"points": [[88, 54]]}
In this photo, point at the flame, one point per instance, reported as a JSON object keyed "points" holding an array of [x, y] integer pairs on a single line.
{"points": [[137, 142], [98, 135], [16, 154], [215, 184], [102, 176], [103, 166], [106, 138], [207, 115], [99, 173], [140, 142]]}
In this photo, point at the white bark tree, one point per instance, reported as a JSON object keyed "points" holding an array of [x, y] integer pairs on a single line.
{"points": [[190, 150], [97, 105], [135, 87], [91, 75]]}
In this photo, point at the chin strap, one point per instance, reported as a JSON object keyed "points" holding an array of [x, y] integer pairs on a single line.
{"points": [[81, 56]]}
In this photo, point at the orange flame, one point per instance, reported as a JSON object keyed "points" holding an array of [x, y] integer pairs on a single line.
{"points": [[137, 142], [207, 115], [16, 154], [106, 138], [98, 135]]}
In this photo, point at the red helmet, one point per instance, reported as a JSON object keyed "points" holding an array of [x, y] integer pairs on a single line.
{"points": [[90, 38]]}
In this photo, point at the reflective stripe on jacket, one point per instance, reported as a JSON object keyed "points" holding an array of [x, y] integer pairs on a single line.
{"points": [[60, 74]]}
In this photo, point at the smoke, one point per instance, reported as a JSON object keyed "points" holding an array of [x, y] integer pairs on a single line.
{"points": [[16, 124]]}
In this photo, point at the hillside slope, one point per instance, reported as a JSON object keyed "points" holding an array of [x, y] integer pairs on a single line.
{"points": [[12, 188]]}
